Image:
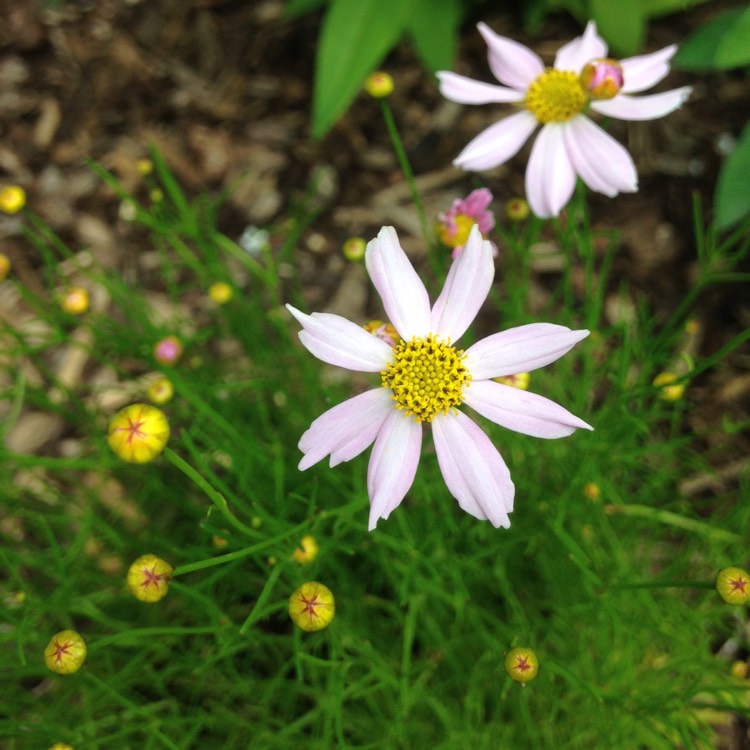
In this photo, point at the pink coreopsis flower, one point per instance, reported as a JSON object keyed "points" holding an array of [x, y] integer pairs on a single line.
{"points": [[583, 80], [425, 378], [455, 224]]}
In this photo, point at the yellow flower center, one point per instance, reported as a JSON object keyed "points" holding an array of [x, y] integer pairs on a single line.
{"points": [[556, 96], [460, 236], [426, 376]]}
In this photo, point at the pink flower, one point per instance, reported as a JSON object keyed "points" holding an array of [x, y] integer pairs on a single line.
{"points": [[455, 224], [582, 80], [424, 378]]}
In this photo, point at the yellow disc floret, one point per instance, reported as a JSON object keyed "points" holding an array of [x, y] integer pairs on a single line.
{"points": [[556, 96], [427, 377]]}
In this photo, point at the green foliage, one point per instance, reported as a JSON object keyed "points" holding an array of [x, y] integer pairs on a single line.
{"points": [[613, 591], [622, 24], [722, 44], [356, 37]]}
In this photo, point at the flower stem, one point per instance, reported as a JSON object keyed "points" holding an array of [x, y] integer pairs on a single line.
{"points": [[403, 161], [216, 497]]}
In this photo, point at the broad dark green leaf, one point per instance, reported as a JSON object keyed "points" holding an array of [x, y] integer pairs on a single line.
{"points": [[718, 45], [355, 38], [620, 23], [732, 200], [434, 29]]}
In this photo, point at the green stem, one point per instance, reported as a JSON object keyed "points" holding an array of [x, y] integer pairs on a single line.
{"points": [[136, 633], [216, 497], [403, 161]]}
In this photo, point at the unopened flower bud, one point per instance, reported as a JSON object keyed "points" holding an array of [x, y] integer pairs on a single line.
{"points": [[307, 550], [379, 85], [669, 392], [75, 301], [592, 491], [354, 248], [220, 292], [4, 266], [66, 652], [61, 746], [521, 664], [168, 350], [12, 199], [144, 167], [733, 585], [311, 606], [739, 670], [602, 78], [517, 209], [138, 433], [520, 380], [384, 331], [148, 578], [161, 391]]}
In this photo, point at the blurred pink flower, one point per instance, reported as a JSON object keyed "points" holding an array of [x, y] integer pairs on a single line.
{"points": [[455, 224], [582, 80], [425, 377]]}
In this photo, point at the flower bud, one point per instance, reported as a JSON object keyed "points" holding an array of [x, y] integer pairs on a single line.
{"points": [[220, 292], [592, 491], [733, 585], [148, 578], [602, 78], [384, 331], [521, 664], [66, 652], [75, 301], [354, 248], [168, 350], [517, 209], [144, 167], [520, 380], [307, 550], [61, 746], [311, 606], [379, 85], [12, 199], [138, 433], [161, 391], [669, 392], [4, 266]]}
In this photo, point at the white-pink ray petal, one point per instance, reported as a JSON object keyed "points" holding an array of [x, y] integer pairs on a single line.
{"points": [[340, 342], [521, 411], [466, 288], [550, 177], [581, 50], [520, 349], [643, 107], [347, 429], [403, 294], [393, 464], [602, 163], [497, 143], [465, 90], [511, 63], [472, 468], [644, 71]]}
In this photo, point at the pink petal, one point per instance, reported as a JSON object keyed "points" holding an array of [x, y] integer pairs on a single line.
{"points": [[340, 342], [476, 202], [521, 349], [393, 464], [465, 90], [521, 411], [644, 71], [466, 288], [550, 177], [643, 107], [404, 297], [603, 164], [583, 49], [347, 429], [474, 471], [511, 63], [497, 143]]}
